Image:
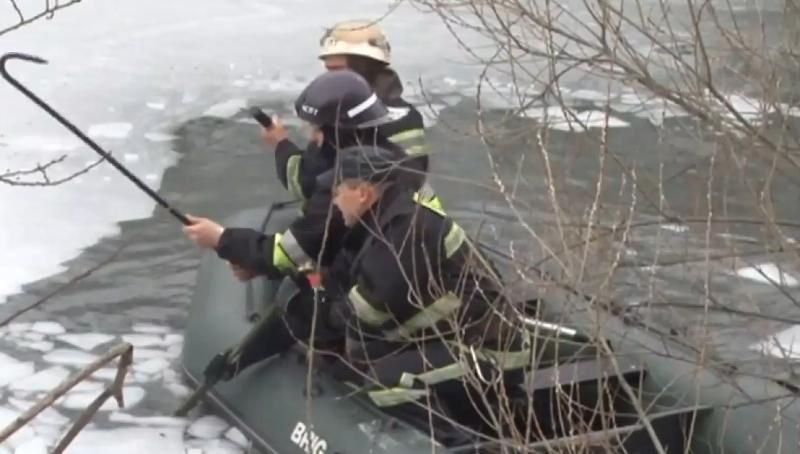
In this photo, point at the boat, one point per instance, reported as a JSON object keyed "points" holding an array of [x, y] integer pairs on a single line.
{"points": [[624, 388]]}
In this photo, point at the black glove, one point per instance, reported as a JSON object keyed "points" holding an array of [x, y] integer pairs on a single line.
{"points": [[219, 369]]}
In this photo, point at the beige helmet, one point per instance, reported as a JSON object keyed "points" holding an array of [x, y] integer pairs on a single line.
{"points": [[356, 37]]}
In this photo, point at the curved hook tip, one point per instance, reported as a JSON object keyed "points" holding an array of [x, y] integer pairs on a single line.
{"points": [[21, 56]]}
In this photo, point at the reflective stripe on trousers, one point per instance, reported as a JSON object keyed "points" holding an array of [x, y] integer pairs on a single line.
{"points": [[467, 357]]}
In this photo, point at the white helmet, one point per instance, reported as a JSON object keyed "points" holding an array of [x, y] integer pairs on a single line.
{"points": [[356, 37]]}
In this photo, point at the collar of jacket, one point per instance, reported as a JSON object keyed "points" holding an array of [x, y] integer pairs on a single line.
{"points": [[395, 201], [388, 85]]}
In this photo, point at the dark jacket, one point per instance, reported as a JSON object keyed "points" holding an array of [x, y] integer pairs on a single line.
{"points": [[281, 254], [405, 260]]}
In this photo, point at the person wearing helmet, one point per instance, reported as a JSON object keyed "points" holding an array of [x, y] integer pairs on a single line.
{"points": [[359, 46], [419, 294], [342, 111]]}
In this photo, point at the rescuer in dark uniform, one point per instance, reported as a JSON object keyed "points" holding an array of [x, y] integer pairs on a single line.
{"points": [[359, 46], [424, 306]]}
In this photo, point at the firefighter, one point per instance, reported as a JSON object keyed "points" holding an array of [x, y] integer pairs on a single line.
{"points": [[425, 310], [359, 46]]}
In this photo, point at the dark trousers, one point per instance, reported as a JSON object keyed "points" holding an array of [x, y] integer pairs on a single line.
{"points": [[469, 400]]}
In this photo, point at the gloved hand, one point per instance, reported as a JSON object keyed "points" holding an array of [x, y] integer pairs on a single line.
{"points": [[219, 369]]}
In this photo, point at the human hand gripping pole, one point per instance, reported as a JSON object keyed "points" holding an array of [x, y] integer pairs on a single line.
{"points": [[74, 129]]}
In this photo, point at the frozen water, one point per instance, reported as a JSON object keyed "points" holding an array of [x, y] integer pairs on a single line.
{"points": [[32, 336], [218, 446], [13, 369], [119, 130], [174, 351], [159, 137], [80, 400], [143, 340], [785, 344], [19, 327], [178, 389], [65, 143], [767, 273], [69, 357], [44, 380], [556, 117], [151, 366], [42, 346], [208, 426], [130, 157], [48, 328], [675, 227], [87, 341], [156, 105], [162, 440], [7, 416], [106, 373], [235, 435], [32, 446], [148, 353], [148, 328], [122, 417], [48, 416], [226, 109]]}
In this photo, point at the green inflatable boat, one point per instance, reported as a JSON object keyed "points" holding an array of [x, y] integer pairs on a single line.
{"points": [[634, 393]]}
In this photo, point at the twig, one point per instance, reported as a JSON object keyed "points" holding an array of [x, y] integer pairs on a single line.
{"points": [[48, 13], [123, 350], [113, 390]]}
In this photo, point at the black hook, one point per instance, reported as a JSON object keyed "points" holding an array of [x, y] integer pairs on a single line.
{"points": [[31, 58]]}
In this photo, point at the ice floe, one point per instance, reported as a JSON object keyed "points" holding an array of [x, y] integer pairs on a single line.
{"points": [[767, 273], [159, 137], [32, 446], [216, 446], [110, 130], [143, 340], [208, 426], [80, 400], [127, 440], [151, 366], [44, 380], [48, 328], [122, 417], [69, 357], [236, 436], [25, 433], [13, 369], [147, 328], [86, 341]]}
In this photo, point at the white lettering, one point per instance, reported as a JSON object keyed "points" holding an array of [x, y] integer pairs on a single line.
{"points": [[309, 109], [307, 440]]}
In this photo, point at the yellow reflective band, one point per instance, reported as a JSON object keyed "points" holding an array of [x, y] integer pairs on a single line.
{"points": [[395, 396], [293, 176], [412, 141], [417, 150], [454, 239], [504, 360], [429, 205], [288, 243], [407, 135], [280, 259], [427, 317], [365, 311]]}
